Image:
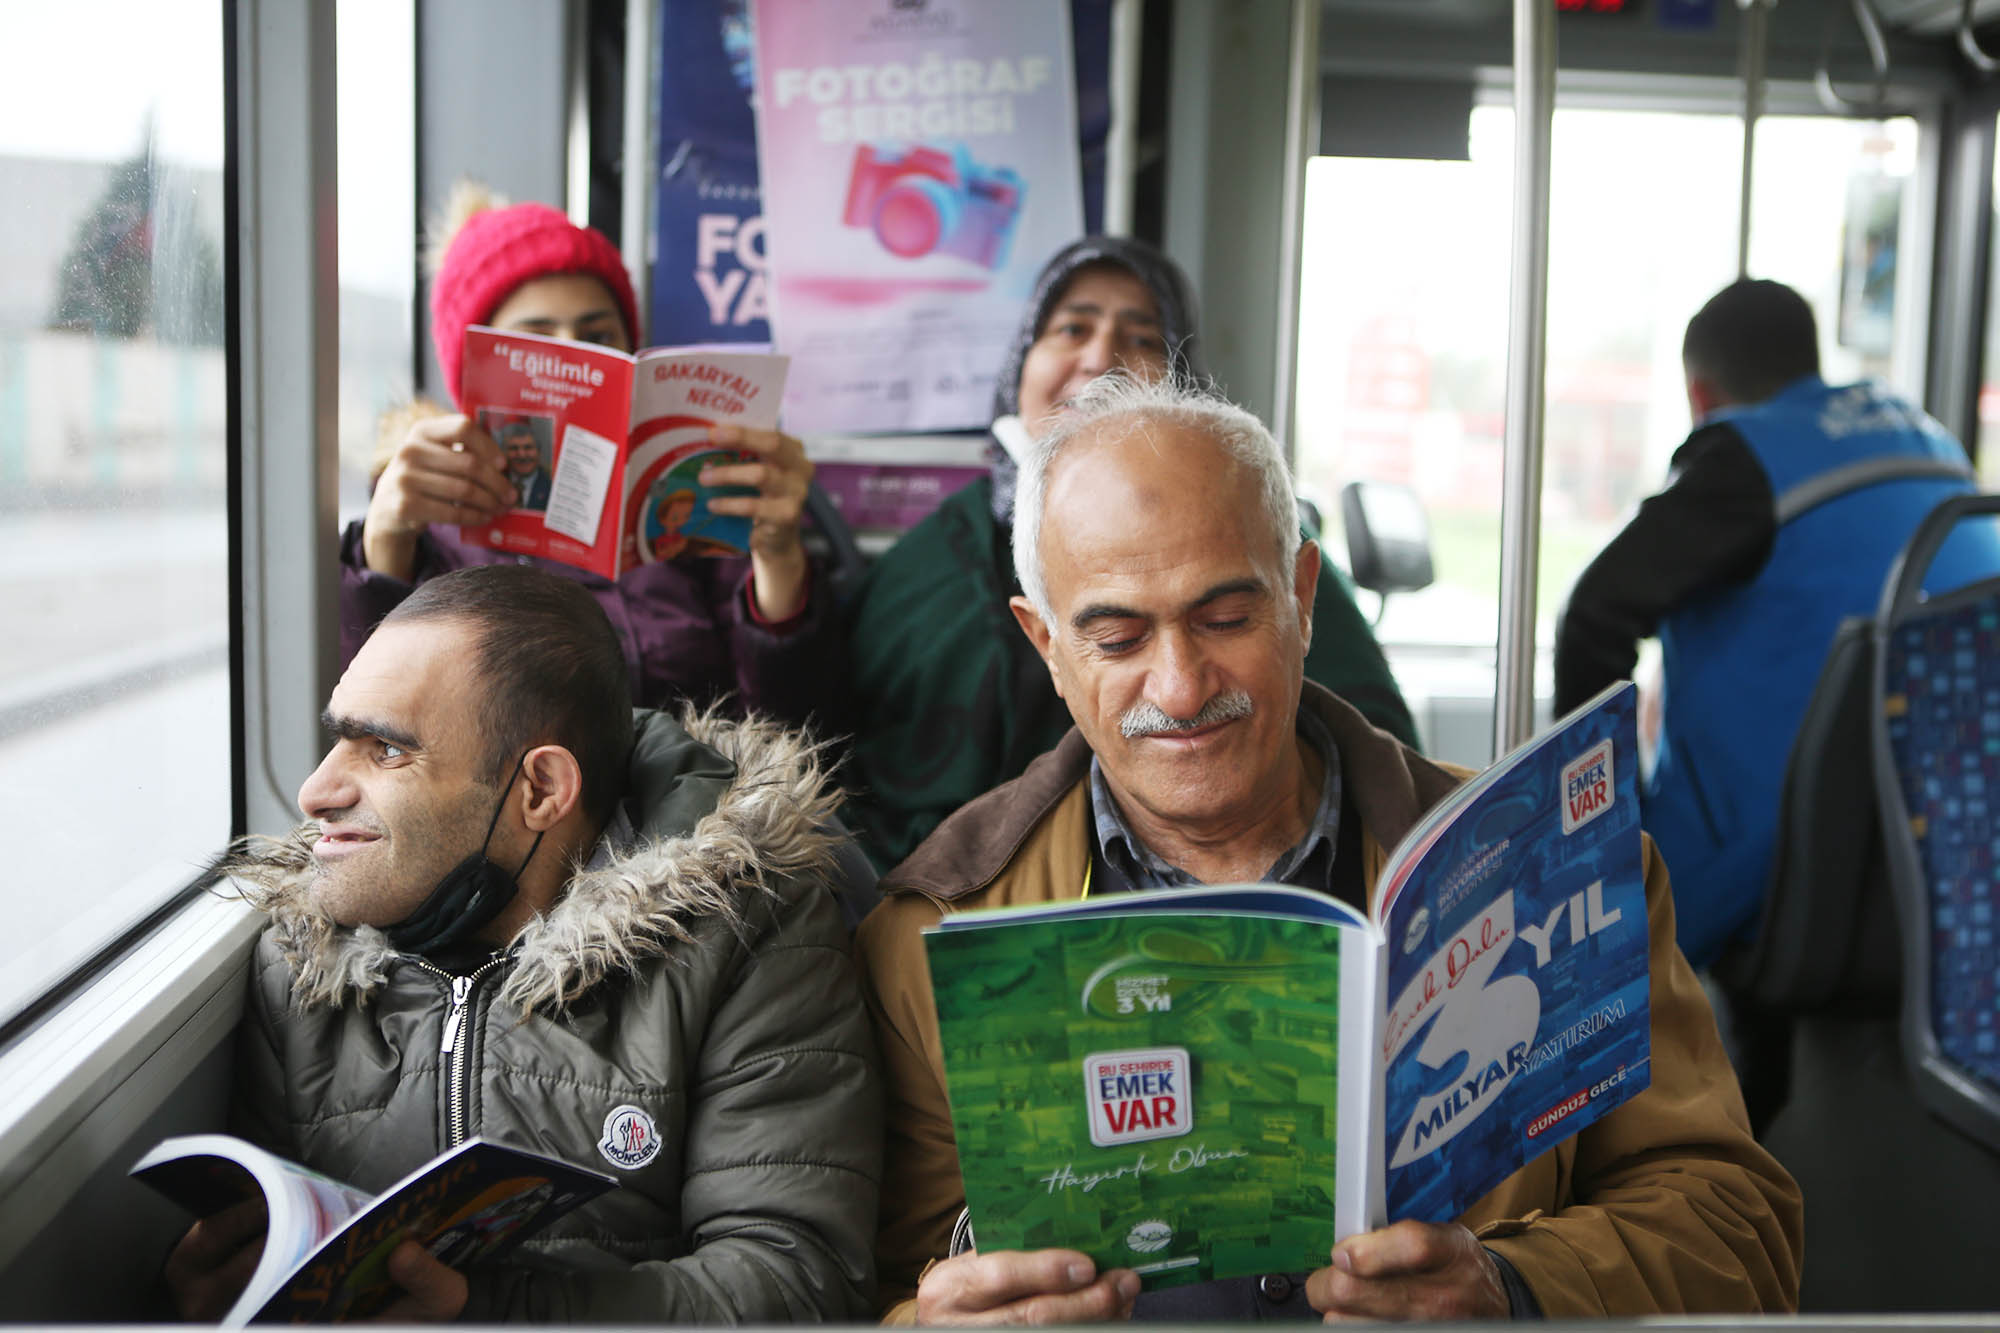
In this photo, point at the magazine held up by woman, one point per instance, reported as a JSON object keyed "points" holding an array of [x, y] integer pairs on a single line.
{"points": [[1207, 1082], [605, 449]]}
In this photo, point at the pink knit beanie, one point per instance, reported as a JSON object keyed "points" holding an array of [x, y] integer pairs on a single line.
{"points": [[498, 249]]}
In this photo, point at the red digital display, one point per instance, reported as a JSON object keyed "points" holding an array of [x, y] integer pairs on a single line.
{"points": [[1596, 6]]}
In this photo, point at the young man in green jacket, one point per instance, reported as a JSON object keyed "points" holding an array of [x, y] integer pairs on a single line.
{"points": [[517, 911]]}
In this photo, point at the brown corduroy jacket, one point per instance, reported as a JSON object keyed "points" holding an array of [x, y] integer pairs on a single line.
{"points": [[1666, 1205]]}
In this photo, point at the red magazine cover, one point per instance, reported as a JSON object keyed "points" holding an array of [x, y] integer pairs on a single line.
{"points": [[605, 449]]}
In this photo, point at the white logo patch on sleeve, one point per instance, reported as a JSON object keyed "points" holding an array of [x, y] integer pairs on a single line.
{"points": [[630, 1138]]}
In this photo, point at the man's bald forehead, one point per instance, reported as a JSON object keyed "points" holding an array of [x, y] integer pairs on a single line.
{"points": [[1142, 443]]}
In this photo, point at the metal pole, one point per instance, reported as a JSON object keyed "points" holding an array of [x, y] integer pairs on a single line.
{"points": [[642, 172], [1301, 142], [1121, 145], [1527, 354], [1756, 32], [576, 108]]}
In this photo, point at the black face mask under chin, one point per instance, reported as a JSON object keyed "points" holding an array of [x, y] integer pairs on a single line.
{"points": [[469, 896]]}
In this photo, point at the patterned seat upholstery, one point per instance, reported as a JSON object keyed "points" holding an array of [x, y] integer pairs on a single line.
{"points": [[1940, 700]]}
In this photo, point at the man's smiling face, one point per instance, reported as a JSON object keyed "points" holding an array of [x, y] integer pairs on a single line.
{"points": [[1180, 630], [407, 789]]}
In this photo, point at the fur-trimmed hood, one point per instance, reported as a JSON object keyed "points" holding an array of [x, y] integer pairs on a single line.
{"points": [[723, 809]]}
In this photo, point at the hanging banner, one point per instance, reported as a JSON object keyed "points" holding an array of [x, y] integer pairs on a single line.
{"points": [[708, 278], [919, 160]]}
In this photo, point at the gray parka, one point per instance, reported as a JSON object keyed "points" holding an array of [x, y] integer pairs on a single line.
{"points": [[699, 973]]}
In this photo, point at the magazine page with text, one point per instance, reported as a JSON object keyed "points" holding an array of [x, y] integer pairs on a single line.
{"points": [[1516, 965]]}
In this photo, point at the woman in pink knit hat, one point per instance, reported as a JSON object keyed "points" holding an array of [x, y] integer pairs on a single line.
{"points": [[757, 631]]}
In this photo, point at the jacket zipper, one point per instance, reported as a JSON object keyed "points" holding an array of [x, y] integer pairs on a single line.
{"points": [[456, 1047]]}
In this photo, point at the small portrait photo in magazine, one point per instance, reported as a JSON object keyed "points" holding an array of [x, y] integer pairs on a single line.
{"points": [[527, 451]]}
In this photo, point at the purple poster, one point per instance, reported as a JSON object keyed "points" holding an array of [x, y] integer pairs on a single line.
{"points": [[920, 163], [709, 281]]}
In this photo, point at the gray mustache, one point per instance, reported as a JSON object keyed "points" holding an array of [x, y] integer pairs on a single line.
{"points": [[1149, 719]]}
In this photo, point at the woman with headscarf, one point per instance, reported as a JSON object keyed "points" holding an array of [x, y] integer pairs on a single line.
{"points": [[758, 630], [950, 698]]}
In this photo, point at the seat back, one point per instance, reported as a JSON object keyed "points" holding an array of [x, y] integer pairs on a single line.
{"points": [[1827, 938], [834, 537], [1937, 756]]}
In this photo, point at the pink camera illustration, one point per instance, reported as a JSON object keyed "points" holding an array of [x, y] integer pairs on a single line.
{"points": [[927, 200]]}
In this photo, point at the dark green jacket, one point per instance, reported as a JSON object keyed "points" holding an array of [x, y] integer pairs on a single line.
{"points": [[699, 972], [952, 700]]}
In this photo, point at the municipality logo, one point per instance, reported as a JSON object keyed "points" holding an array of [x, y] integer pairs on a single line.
{"points": [[630, 1139], [1138, 1095], [1587, 787], [1149, 1236]]}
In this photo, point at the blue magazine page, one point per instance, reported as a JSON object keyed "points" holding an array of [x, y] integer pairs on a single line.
{"points": [[1516, 964]]}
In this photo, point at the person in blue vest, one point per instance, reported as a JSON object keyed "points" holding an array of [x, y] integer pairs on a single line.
{"points": [[1782, 514]]}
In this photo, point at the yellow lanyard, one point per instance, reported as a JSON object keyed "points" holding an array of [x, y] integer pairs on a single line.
{"points": [[1087, 866]]}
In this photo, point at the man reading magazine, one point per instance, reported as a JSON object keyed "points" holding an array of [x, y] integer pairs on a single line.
{"points": [[517, 910], [1169, 594]]}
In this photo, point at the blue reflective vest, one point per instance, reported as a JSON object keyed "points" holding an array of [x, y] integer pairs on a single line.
{"points": [[1740, 663]]}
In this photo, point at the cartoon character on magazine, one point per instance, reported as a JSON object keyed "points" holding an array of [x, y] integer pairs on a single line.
{"points": [[668, 531]]}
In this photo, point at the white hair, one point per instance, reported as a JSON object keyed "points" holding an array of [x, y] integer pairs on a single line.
{"points": [[1116, 399]]}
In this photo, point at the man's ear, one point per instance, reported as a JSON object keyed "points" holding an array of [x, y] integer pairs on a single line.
{"points": [[1704, 398], [551, 789], [1032, 625], [1305, 587]]}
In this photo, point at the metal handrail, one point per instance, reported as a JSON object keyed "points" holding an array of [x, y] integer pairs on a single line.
{"points": [[1878, 56], [1968, 43]]}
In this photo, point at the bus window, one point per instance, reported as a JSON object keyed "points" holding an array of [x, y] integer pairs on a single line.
{"points": [[1403, 335], [377, 112], [115, 766]]}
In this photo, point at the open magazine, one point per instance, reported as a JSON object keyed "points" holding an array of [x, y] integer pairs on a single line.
{"points": [[605, 449], [327, 1245], [1203, 1083]]}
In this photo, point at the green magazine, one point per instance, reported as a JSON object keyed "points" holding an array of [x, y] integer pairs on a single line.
{"points": [[1208, 1082], [1089, 1128]]}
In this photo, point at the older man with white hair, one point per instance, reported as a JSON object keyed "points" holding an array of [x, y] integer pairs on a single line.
{"points": [[1170, 595]]}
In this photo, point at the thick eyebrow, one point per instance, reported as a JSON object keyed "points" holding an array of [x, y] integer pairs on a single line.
{"points": [[357, 729], [1103, 611], [1254, 587], [1113, 611]]}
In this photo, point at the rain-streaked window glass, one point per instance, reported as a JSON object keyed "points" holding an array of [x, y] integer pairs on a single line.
{"points": [[114, 679]]}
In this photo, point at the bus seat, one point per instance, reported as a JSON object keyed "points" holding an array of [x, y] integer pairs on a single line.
{"points": [[1872, 1128], [1826, 940], [1937, 753], [833, 537]]}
